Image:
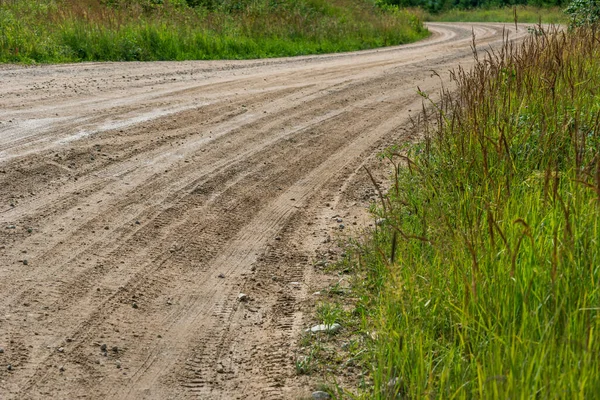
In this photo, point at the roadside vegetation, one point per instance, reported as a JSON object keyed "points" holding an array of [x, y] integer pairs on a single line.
{"points": [[44, 31], [482, 278], [527, 11], [525, 14]]}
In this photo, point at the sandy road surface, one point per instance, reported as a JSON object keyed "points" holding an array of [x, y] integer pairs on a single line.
{"points": [[126, 189]]}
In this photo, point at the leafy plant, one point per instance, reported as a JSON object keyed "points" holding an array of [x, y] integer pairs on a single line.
{"points": [[583, 12]]}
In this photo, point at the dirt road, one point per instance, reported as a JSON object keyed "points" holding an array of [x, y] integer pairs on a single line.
{"points": [[138, 200]]}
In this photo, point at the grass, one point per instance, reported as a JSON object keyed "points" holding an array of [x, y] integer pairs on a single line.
{"points": [[44, 31], [525, 14], [484, 279]]}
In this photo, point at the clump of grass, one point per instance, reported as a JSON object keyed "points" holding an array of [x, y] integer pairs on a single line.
{"points": [[148, 30], [494, 219]]}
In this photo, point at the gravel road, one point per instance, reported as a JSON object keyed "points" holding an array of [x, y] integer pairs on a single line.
{"points": [[138, 200]]}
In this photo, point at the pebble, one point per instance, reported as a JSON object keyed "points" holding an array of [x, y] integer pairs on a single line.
{"points": [[134, 305], [319, 395], [9, 367], [61, 349], [332, 328], [1, 350], [25, 262], [103, 347], [115, 349], [342, 226], [339, 220], [243, 297], [220, 369], [118, 364], [222, 276], [62, 368]]}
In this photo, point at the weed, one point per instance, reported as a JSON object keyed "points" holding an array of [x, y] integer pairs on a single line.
{"points": [[494, 291], [143, 30], [329, 313], [525, 14]]}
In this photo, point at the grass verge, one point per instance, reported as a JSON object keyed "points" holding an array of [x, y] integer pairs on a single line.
{"points": [[45, 31], [482, 279], [525, 14]]}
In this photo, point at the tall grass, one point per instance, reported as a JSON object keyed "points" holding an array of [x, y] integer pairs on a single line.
{"points": [[493, 226], [95, 30], [525, 14]]}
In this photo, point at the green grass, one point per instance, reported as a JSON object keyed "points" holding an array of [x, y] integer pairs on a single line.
{"points": [[525, 14], [484, 281], [44, 31]]}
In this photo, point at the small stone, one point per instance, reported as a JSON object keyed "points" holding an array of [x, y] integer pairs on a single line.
{"points": [[25, 262], [342, 226], [9, 367], [62, 368], [222, 276], [380, 221], [331, 328], [1, 350], [339, 220], [319, 395], [243, 297], [137, 222], [134, 305], [278, 238], [220, 369], [115, 349], [103, 347], [118, 364], [61, 349]]}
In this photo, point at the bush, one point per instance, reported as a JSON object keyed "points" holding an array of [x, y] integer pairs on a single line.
{"points": [[583, 12]]}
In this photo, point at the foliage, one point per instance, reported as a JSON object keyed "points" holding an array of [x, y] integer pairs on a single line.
{"points": [[525, 14], [583, 12], [436, 6], [484, 279], [148, 30]]}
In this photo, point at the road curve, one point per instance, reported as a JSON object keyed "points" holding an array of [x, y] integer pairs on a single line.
{"points": [[138, 200]]}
